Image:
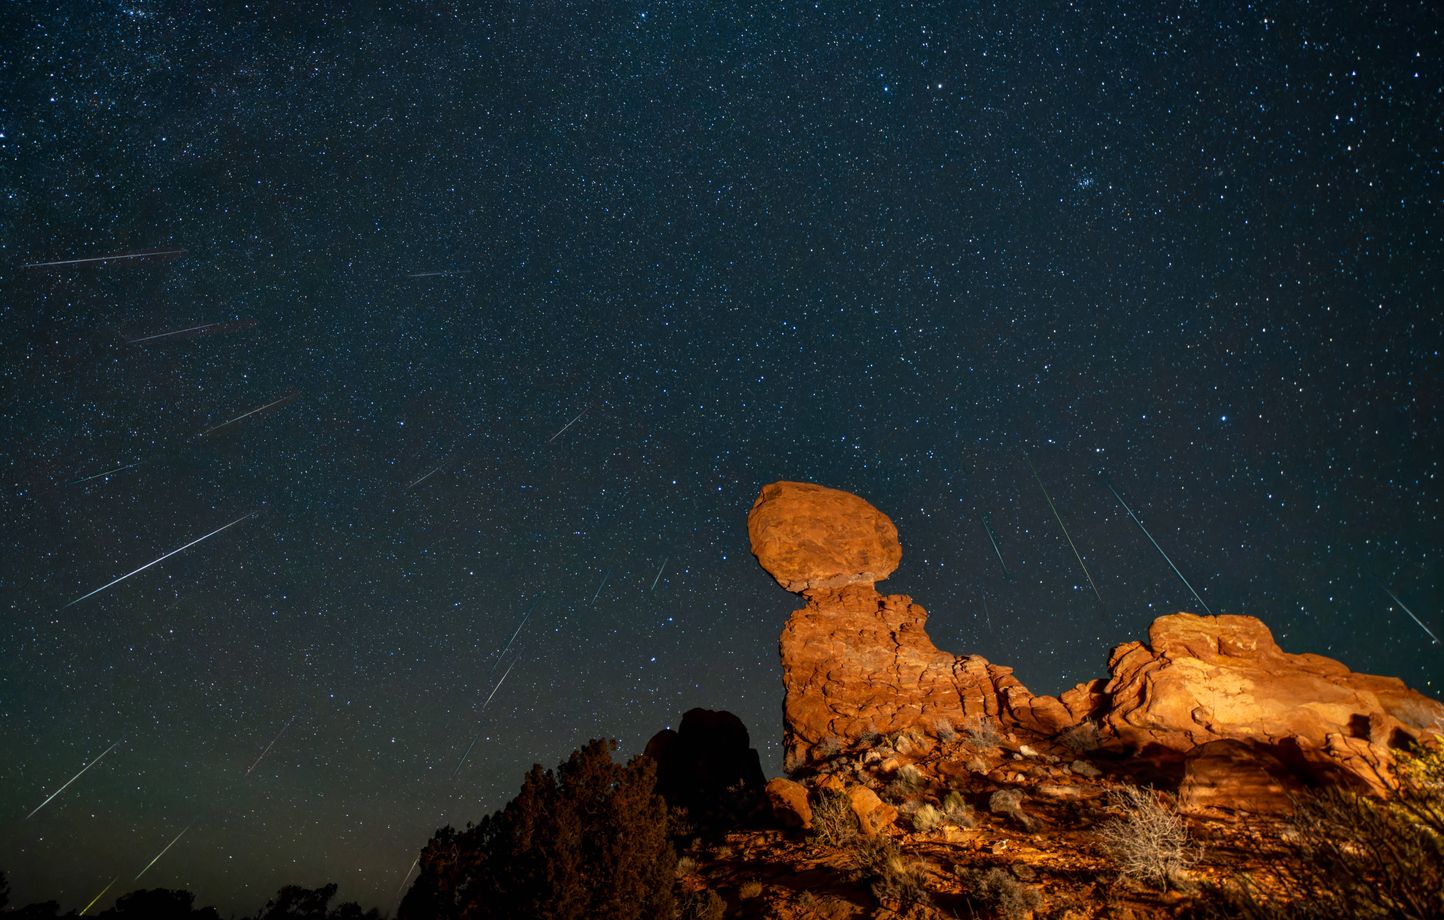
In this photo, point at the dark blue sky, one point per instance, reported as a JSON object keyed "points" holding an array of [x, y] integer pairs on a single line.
{"points": [[892, 251]]}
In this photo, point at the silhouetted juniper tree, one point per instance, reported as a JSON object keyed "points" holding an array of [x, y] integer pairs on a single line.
{"points": [[588, 842]]}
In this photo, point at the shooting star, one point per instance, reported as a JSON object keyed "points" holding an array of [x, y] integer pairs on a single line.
{"points": [[160, 854], [1063, 527], [166, 335], [275, 402], [567, 425], [423, 477], [98, 897], [987, 520], [526, 616], [605, 576], [402, 887], [1411, 616], [659, 573], [119, 469], [71, 780], [162, 558], [1156, 546], [441, 274], [119, 257], [986, 613], [469, 747], [271, 745]]}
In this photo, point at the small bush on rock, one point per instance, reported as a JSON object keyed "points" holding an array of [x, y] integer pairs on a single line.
{"points": [[1146, 839]]}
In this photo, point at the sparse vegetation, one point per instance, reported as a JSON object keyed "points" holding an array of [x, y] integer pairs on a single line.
{"points": [[833, 822], [926, 819], [893, 879], [906, 783], [981, 734], [957, 811], [704, 904], [945, 731], [1356, 856], [749, 890], [998, 889], [1083, 738], [1145, 838]]}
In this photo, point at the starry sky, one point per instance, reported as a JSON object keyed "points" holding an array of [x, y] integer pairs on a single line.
{"points": [[534, 297]]}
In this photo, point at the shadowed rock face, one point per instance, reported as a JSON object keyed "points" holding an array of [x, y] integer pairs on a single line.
{"points": [[856, 662]]}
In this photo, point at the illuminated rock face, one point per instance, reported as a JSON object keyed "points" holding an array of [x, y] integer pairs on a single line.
{"points": [[857, 663], [1200, 680]]}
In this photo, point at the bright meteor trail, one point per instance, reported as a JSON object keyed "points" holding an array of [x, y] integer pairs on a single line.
{"points": [[162, 558], [567, 425], [483, 709], [162, 335], [119, 469], [98, 897], [1064, 528], [275, 402], [147, 254], [1156, 546], [1411, 615], [160, 854], [269, 746], [69, 781]]}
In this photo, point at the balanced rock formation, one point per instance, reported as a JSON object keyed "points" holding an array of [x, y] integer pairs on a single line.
{"points": [[856, 663]]}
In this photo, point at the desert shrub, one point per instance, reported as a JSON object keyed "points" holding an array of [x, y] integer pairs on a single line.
{"points": [[981, 734], [705, 904], [1081, 739], [906, 783], [926, 819], [998, 889], [827, 748], [1356, 856], [957, 811], [944, 730], [833, 822], [588, 841], [749, 890], [1145, 838]]}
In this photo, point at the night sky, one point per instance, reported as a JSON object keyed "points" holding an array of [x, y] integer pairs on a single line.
{"points": [[901, 252]]}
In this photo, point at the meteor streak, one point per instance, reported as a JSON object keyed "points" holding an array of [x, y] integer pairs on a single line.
{"points": [[482, 710], [160, 854], [119, 469], [987, 520], [162, 335], [271, 745], [162, 558], [607, 575], [400, 887], [275, 402], [119, 257], [98, 897], [440, 274], [1156, 546], [1411, 615], [1061, 526], [423, 477], [69, 781], [659, 573], [516, 633], [567, 425]]}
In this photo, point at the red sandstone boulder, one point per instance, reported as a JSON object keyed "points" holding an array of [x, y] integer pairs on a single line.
{"points": [[812, 538]]}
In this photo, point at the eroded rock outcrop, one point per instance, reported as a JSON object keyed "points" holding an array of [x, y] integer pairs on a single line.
{"points": [[857, 663], [1200, 680]]}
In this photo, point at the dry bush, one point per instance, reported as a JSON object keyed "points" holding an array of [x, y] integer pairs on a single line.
{"points": [[749, 890], [705, 904], [1146, 839], [1081, 739], [957, 811], [833, 822], [998, 889], [926, 819], [906, 783], [944, 730], [894, 880], [1356, 856], [981, 734]]}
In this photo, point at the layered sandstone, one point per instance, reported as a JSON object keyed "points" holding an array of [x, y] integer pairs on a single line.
{"points": [[857, 664]]}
